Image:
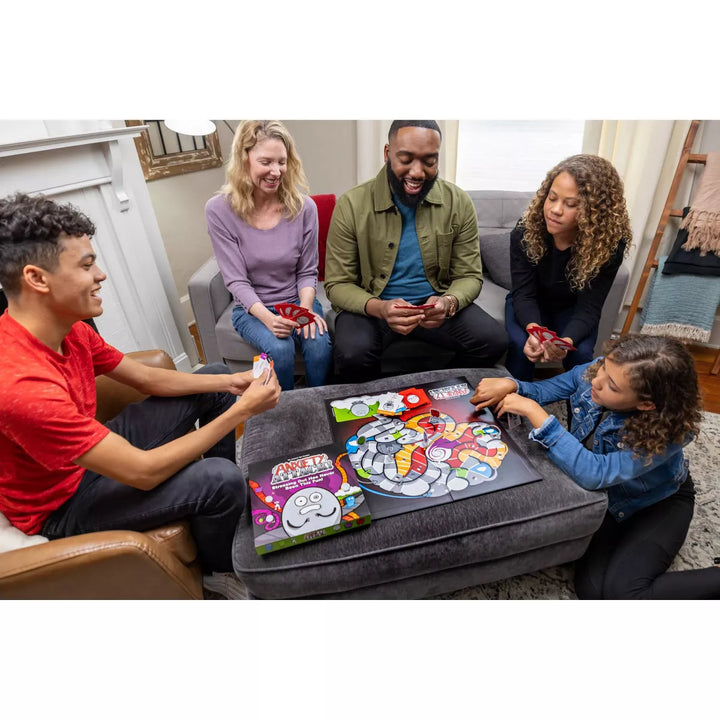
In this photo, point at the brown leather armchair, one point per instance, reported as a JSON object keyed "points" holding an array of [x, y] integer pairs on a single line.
{"points": [[117, 564]]}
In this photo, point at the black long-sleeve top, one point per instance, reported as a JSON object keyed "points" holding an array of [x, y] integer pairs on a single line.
{"points": [[546, 285]]}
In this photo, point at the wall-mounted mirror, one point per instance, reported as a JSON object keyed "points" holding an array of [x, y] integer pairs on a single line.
{"points": [[163, 152]]}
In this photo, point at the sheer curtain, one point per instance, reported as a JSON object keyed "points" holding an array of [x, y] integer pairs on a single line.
{"points": [[645, 153]]}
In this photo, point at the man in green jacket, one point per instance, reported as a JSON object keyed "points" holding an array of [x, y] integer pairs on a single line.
{"points": [[403, 260]]}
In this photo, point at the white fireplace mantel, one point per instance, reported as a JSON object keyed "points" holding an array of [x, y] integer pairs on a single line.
{"points": [[99, 173], [106, 139]]}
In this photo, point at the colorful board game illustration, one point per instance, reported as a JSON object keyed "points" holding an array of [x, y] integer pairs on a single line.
{"points": [[306, 497], [426, 445]]}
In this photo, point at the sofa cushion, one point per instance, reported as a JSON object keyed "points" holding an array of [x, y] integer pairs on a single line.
{"points": [[495, 254], [12, 539]]}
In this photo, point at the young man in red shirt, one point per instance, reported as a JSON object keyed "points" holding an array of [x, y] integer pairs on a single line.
{"points": [[64, 473]]}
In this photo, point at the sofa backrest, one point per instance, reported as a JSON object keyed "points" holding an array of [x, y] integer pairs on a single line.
{"points": [[325, 206], [497, 213]]}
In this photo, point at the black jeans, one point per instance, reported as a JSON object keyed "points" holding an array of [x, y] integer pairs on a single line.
{"points": [[476, 339], [209, 493], [628, 560]]}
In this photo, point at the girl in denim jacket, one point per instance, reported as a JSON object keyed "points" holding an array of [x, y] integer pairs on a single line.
{"points": [[632, 413]]}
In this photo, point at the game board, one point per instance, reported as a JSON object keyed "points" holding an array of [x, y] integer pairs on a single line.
{"points": [[297, 499], [424, 446]]}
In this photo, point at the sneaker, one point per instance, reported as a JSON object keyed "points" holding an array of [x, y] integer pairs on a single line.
{"points": [[226, 584]]}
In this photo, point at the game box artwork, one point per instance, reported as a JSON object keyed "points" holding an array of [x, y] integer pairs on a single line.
{"points": [[305, 497], [421, 446]]}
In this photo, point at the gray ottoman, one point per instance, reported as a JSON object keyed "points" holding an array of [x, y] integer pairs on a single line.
{"points": [[422, 553]]}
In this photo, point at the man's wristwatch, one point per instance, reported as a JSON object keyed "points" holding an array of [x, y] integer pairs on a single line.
{"points": [[453, 305]]}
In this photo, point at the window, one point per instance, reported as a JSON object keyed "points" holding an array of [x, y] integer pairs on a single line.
{"points": [[513, 154]]}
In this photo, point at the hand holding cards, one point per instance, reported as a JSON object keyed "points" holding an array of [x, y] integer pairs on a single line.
{"points": [[261, 363], [542, 334], [414, 307], [302, 316]]}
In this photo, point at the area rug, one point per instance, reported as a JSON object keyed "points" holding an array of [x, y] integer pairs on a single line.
{"points": [[701, 545]]}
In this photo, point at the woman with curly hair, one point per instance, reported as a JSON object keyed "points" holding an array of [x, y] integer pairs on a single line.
{"points": [[564, 255], [264, 232], [632, 412]]}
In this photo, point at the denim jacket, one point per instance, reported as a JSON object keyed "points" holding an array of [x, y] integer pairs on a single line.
{"points": [[631, 484]]}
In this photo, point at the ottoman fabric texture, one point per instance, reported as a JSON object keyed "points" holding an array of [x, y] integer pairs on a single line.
{"points": [[422, 553]]}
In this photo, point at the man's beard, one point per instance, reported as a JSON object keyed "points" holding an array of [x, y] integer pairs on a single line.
{"points": [[398, 189]]}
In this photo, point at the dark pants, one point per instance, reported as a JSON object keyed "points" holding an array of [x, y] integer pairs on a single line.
{"points": [[476, 339], [209, 493], [628, 560], [516, 362]]}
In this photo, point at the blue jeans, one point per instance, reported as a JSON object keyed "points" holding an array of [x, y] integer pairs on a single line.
{"points": [[516, 362], [210, 493], [317, 352]]}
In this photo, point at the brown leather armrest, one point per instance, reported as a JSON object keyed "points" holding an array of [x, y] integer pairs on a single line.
{"points": [[117, 564], [112, 396]]}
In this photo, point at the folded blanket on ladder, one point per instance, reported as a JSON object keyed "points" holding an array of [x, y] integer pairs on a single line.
{"points": [[703, 220], [680, 306]]}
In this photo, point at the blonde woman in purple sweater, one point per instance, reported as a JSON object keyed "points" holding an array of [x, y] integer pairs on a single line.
{"points": [[264, 232]]}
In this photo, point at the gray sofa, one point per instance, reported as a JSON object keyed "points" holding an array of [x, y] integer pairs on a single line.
{"points": [[497, 213]]}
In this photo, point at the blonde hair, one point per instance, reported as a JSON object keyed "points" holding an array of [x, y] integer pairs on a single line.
{"points": [[238, 186], [602, 218]]}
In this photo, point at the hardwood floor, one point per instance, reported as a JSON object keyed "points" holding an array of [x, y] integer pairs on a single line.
{"points": [[709, 384]]}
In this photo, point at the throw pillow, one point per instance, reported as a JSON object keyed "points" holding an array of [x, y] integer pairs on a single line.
{"points": [[495, 254], [11, 538]]}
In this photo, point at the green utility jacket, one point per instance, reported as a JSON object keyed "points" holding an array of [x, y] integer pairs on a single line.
{"points": [[364, 235]]}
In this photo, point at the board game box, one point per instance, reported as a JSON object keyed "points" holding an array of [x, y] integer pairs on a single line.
{"points": [[421, 446], [304, 497]]}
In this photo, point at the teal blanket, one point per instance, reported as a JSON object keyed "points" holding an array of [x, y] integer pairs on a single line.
{"points": [[680, 306]]}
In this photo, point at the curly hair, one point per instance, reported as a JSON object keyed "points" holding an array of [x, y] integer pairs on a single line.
{"points": [[662, 371], [602, 218], [30, 229], [238, 186]]}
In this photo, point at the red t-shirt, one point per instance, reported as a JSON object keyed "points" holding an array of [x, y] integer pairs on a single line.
{"points": [[47, 417]]}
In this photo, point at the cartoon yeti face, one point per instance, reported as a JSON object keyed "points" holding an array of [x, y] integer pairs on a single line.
{"points": [[310, 509]]}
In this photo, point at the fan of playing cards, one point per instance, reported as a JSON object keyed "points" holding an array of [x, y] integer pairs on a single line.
{"points": [[542, 334], [302, 316]]}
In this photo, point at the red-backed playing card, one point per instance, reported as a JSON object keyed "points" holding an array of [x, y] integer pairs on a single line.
{"points": [[543, 334], [415, 307], [302, 316]]}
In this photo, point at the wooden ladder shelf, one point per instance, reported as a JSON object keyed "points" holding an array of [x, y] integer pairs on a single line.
{"points": [[651, 261]]}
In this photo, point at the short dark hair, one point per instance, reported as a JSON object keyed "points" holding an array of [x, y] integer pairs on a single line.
{"points": [[397, 124], [30, 228]]}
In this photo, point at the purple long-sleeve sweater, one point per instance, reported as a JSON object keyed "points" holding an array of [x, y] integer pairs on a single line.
{"points": [[267, 266]]}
